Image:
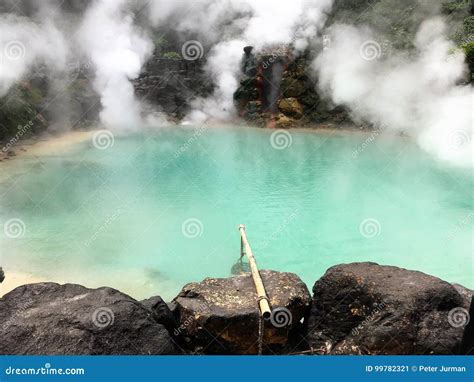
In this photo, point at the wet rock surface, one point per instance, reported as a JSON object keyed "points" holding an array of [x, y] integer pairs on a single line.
{"points": [[299, 102], [359, 308], [172, 84], [365, 308], [291, 107], [48, 319], [221, 316], [467, 345], [161, 312]]}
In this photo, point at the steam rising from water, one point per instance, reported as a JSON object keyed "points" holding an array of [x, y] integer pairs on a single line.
{"points": [[118, 50], [419, 95], [262, 24], [24, 43]]}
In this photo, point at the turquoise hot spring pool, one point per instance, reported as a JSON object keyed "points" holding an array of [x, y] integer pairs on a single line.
{"points": [[155, 210]]}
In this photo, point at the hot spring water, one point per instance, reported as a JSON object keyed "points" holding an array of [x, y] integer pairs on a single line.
{"points": [[158, 210]]}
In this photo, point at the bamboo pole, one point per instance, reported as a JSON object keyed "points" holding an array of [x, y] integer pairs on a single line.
{"points": [[257, 280]]}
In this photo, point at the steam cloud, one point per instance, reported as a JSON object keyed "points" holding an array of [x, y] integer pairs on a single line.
{"points": [[24, 43], [418, 95], [118, 50], [262, 24]]}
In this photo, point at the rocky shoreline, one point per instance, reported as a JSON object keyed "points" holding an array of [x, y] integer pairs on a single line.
{"points": [[357, 308]]}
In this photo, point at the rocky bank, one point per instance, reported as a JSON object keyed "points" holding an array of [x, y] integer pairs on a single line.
{"points": [[297, 102], [220, 316], [359, 308], [364, 308]]}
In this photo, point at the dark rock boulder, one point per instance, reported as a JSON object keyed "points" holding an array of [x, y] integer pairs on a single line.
{"points": [[467, 345], [299, 104], [248, 90], [2, 275], [161, 312], [292, 86], [365, 308], [172, 83], [221, 316], [48, 319], [291, 107]]}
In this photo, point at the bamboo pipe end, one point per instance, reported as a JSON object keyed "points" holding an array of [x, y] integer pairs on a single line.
{"points": [[241, 226], [266, 315]]}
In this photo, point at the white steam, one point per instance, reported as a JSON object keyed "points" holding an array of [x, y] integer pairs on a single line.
{"points": [[222, 66], [418, 94], [262, 24], [209, 21], [24, 44], [118, 50], [285, 22]]}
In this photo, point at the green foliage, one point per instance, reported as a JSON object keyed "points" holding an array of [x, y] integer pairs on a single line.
{"points": [[395, 22], [469, 52], [468, 48], [18, 108], [458, 6], [173, 55], [465, 33], [32, 95], [468, 25], [160, 42]]}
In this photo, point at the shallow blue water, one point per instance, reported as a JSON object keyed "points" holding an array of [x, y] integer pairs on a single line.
{"points": [[160, 209]]}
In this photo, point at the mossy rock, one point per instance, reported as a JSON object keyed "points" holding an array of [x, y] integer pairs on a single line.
{"points": [[172, 55], [284, 122], [291, 107], [247, 90], [253, 107], [309, 99], [292, 87], [256, 119], [248, 82], [297, 68]]}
